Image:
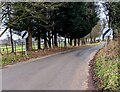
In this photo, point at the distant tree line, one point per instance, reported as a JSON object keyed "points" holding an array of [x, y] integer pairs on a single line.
{"points": [[48, 20]]}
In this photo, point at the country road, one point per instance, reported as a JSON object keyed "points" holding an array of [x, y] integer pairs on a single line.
{"points": [[64, 71]]}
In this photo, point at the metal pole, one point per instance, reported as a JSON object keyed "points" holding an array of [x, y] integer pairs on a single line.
{"points": [[25, 48], [22, 47], [106, 45], [34, 45], [15, 47]]}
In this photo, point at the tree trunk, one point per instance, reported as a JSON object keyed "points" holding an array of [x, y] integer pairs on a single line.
{"points": [[94, 40], [39, 42], [49, 43], [65, 44], [59, 43], [119, 42], [11, 40], [70, 41], [52, 39], [74, 41], [78, 41], [29, 39], [86, 40], [55, 40], [90, 38], [45, 41], [39, 38], [83, 41], [49, 40]]}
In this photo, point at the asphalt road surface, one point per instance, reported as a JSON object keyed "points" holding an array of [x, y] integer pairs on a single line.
{"points": [[64, 71]]}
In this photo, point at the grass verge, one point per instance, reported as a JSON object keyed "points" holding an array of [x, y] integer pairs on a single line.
{"points": [[105, 69], [12, 58]]}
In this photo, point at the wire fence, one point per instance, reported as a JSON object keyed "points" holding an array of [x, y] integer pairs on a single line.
{"points": [[20, 47]]}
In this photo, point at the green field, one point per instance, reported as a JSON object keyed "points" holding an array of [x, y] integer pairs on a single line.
{"points": [[18, 48]]}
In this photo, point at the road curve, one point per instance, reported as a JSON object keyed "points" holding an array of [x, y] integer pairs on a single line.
{"points": [[65, 71]]}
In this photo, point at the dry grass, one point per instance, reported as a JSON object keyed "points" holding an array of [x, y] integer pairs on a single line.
{"points": [[110, 51], [105, 68]]}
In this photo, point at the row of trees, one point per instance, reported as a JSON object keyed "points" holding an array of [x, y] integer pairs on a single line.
{"points": [[114, 20], [95, 33], [48, 20]]}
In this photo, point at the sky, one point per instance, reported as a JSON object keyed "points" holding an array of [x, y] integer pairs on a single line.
{"points": [[7, 34], [102, 12], [104, 19]]}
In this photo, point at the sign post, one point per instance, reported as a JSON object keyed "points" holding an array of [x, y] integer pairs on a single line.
{"points": [[107, 33], [24, 35]]}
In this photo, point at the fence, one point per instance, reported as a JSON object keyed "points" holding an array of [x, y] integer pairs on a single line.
{"points": [[18, 47]]}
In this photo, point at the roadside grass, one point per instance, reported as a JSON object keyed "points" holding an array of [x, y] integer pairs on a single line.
{"points": [[107, 68], [0, 61], [8, 58], [11, 59], [8, 49]]}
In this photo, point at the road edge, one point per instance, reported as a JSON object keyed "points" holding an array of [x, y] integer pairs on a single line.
{"points": [[91, 81], [39, 58]]}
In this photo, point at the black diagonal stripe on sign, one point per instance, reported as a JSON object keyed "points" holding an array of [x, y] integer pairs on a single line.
{"points": [[24, 34], [106, 32]]}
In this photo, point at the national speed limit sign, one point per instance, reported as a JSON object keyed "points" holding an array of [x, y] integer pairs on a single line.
{"points": [[24, 34]]}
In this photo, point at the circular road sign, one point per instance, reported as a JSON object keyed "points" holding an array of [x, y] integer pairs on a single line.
{"points": [[24, 34]]}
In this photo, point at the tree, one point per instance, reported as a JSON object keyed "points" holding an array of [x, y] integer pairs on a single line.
{"points": [[48, 20], [7, 16], [96, 32], [114, 14]]}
